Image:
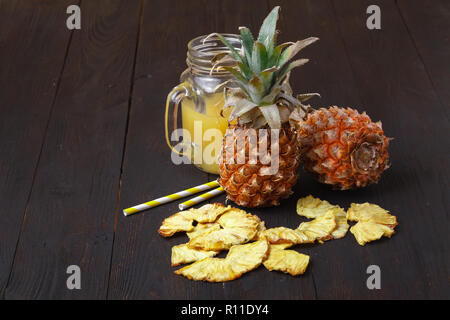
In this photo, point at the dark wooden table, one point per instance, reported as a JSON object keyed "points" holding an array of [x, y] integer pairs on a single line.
{"points": [[81, 138]]}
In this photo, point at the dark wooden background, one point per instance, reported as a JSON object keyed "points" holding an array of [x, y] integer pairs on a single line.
{"points": [[81, 138]]}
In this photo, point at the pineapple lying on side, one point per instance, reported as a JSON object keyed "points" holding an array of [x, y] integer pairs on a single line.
{"points": [[342, 147], [263, 100]]}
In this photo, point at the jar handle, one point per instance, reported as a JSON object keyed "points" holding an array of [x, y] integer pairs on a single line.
{"points": [[173, 99]]}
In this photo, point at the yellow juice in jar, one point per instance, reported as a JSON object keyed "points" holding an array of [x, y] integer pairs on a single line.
{"points": [[206, 157]]}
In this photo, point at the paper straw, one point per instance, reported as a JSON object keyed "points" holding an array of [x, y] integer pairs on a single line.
{"points": [[170, 198], [200, 198]]}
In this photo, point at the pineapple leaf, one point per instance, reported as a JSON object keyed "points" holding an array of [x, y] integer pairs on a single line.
{"points": [[232, 96], [287, 68], [247, 42], [250, 116], [256, 89], [276, 54], [235, 73], [271, 46], [259, 122], [262, 71], [270, 98], [272, 114], [243, 106], [267, 31], [269, 70], [245, 69], [218, 58], [295, 48], [259, 57], [306, 96], [290, 99], [267, 77], [233, 51]]}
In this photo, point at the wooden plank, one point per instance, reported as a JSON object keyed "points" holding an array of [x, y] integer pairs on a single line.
{"points": [[428, 23], [395, 88], [141, 258], [70, 218], [33, 43], [140, 267]]}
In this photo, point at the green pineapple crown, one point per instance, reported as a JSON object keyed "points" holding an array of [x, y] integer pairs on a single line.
{"points": [[262, 75]]}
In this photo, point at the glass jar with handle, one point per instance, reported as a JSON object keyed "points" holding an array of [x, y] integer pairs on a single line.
{"points": [[200, 98]]}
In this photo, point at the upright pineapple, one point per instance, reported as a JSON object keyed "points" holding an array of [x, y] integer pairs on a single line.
{"points": [[263, 100], [342, 147]]}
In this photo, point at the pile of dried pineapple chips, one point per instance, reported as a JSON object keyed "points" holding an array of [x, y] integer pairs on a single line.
{"points": [[214, 228]]}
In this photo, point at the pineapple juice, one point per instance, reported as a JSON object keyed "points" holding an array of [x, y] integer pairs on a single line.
{"points": [[211, 119]]}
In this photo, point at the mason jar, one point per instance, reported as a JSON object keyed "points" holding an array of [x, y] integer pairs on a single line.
{"points": [[199, 98]]}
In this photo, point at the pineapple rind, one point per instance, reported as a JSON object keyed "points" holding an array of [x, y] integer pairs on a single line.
{"points": [[330, 140], [248, 184]]}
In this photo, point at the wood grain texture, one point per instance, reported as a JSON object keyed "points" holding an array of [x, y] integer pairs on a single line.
{"points": [[82, 137], [394, 87], [428, 24], [70, 219], [29, 76]]}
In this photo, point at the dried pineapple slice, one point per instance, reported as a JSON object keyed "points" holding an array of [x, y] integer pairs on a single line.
{"points": [[182, 254], [183, 221], [373, 222], [260, 231], [281, 246], [341, 223], [370, 212], [282, 235], [287, 261], [238, 218], [209, 212], [367, 231], [319, 229], [238, 227], [180, 221], [311, 207], [202, 228], [240, 259]]}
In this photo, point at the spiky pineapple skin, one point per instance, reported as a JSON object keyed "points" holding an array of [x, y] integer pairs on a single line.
{"points": [[246, 184], [342, 147]]}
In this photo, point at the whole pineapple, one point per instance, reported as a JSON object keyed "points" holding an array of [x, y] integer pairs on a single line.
{"points": [[262, 100], [342, 147]]}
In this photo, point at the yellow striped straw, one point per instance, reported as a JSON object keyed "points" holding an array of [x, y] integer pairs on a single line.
{"points": [[170, 198], [200, 198]]}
